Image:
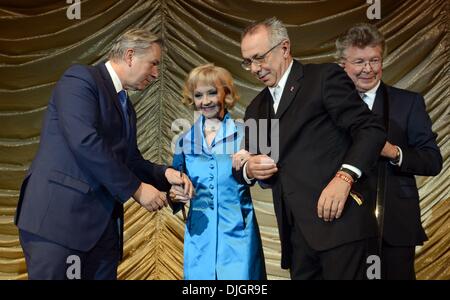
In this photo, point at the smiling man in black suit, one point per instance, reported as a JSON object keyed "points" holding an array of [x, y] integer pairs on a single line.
{"points": [[327, 140]]}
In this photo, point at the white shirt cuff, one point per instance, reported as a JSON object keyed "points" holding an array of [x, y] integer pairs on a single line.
{"points": [[354, 169], [244, 173]]}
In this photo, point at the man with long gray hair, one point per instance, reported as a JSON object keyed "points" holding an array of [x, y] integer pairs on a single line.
{"points": [[88, 165]]}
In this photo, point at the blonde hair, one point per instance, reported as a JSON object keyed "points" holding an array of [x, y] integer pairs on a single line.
{"points": [[137, 39], [210, 74]]}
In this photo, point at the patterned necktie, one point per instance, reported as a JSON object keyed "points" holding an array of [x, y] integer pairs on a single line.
{"points": [[124, 105]]}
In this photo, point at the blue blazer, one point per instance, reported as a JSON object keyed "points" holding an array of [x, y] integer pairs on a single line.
{"points": [[85, 166], [410, 128]]}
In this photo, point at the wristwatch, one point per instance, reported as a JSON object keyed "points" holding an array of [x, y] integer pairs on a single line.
{"points": [[396, 160]]}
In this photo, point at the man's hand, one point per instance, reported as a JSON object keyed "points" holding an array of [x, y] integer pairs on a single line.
{"points": [[177, 194], [390, 151], [332, 200], [239, 159], [261, 167], [149, 197], [176, 178]]}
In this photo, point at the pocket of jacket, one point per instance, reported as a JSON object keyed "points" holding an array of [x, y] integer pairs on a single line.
{"points": [[68, 181], [407, 191]]}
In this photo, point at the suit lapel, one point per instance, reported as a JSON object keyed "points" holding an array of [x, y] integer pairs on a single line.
{"points": [[378, 103], [111, 89], [381, 105], [131, 117], [293, 85], [115, 99], [381, 108], [227, 129]]}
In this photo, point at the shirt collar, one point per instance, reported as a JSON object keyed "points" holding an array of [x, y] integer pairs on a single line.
{"points": [[372, 92], [283, 79], [115, 78], [227, 129], [370, 95]]}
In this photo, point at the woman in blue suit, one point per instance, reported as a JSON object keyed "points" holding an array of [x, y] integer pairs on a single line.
{"points": [[222, 239]]}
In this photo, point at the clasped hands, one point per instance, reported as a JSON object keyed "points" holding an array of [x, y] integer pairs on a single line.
{"points": [[152, 199], [259, 166], [330, 205], [331, 201]]}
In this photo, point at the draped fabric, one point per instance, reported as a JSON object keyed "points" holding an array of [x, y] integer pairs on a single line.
{"points": [[38, 42]]}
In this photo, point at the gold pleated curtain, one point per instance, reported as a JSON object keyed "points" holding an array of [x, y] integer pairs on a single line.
{"points": [[38, 42]]}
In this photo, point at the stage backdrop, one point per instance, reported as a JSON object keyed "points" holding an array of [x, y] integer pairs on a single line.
{"points": [[38, 42]]}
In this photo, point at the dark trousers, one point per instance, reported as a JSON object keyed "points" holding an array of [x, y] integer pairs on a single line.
{"points": [[47, 260], [397, 263], [345, 262]]}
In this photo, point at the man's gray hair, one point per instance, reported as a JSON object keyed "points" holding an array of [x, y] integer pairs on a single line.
{"points": [[137, 39], [360, 35], [276, 28]]}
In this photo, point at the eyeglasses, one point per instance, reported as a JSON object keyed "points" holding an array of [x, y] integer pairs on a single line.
{"points": [[373, 63], [246, 64]]}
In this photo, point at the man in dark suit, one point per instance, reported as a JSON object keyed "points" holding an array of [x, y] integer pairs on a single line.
{"points": [[327, 139], [410, 149], [88, 165]]}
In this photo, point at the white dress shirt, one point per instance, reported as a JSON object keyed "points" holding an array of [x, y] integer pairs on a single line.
{"points": [[369, 96], [115, 79], [276, 92], [278, 89]]}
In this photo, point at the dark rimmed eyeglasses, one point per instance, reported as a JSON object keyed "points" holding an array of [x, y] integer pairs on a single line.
{"points": [[246, 64]]}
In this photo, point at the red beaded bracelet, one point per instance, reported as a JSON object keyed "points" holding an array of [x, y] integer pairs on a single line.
{"points": [[346, 178]]}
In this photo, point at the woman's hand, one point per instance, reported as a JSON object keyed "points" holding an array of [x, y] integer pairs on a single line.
{"points": [[240, 158], [176, 194]]}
